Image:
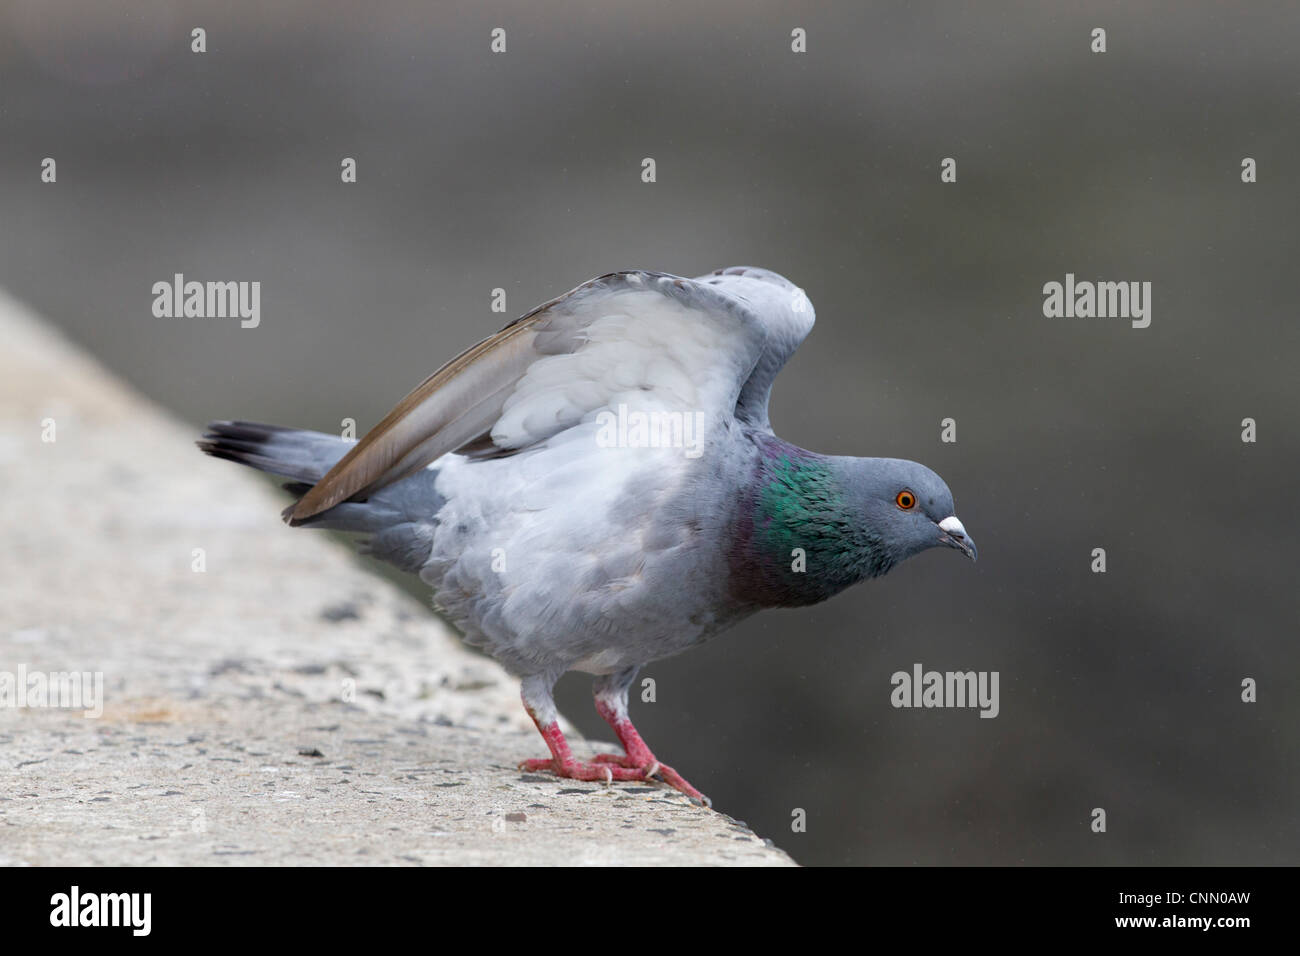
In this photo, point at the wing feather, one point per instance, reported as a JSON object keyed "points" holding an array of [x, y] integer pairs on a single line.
{"points": [[450, 408], [657, 340]]}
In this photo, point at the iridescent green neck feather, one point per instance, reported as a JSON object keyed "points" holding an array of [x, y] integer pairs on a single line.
{"points": [[799, 537]]}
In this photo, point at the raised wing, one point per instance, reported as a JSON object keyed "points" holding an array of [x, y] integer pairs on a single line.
{"points": [[787, 316], [644, 339]]}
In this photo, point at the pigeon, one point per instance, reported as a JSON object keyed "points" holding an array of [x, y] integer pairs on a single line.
{"points": [[597, 486]]}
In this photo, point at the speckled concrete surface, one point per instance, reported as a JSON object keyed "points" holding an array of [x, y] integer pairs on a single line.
{"points": [[265, 699]]}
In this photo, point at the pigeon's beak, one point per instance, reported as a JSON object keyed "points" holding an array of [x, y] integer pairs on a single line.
{"points": [[954, 536]]}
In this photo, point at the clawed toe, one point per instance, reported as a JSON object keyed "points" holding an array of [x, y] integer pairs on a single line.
{"points": [[607, 768], [675, 780], [575, 770]]}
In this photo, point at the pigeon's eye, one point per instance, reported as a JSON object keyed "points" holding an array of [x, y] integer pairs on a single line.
{"points": [[906, 500]]}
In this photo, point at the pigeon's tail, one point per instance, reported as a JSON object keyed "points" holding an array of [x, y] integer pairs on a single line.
{"points": [[294, 453], [400, 518]]}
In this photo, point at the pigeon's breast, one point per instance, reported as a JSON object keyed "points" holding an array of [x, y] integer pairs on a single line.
{"points": [[574, 555]]}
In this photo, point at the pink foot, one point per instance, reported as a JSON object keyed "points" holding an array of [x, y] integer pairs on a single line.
{"points": [[577, 770], [654, 769], [611, 767], [639, 764], [638, 754]]}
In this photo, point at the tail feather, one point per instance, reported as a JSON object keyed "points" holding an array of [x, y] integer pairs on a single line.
{"points": [[400, 517], [294, 453]]}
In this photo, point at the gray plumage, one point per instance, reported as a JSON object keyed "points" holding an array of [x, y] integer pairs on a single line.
{"points": [[559, 537]]}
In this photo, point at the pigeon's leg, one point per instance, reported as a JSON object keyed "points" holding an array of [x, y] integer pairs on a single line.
{"points": [[611, 703], [536, 692]]}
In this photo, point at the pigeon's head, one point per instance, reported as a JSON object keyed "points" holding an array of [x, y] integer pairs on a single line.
{"points": [[908, 506]]}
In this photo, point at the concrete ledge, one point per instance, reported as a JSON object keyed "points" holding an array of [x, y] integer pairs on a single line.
{"points": [[281, 706]]}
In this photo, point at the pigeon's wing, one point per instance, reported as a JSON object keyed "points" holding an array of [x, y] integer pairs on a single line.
{"points": [[641, 339], [787, 317]]}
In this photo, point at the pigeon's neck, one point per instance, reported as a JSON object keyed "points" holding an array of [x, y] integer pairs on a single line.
{"points": [[798, 537]]}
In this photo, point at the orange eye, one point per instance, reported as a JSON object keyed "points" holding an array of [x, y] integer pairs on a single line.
{"points": [[906, 500]]}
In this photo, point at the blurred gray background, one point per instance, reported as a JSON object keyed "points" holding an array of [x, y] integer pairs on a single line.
{"points": [[522, 171]]}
